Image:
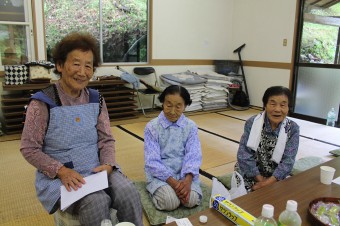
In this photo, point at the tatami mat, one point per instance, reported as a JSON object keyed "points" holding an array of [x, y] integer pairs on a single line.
{"points": [[136, 128], [244, 115], [221, 125], [216, 151], [129, 154], [219, 134], [319, 132], [308, 147], [18, 202]]}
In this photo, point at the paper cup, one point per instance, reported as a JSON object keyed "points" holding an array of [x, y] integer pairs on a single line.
{"points": [[326, 174], [125, 224]]}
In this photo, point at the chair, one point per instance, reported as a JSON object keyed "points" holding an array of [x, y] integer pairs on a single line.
{"points": [[150, 90]]}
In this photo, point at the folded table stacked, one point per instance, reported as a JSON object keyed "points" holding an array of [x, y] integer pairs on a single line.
{"points": [[193, 83], [216, 90]]}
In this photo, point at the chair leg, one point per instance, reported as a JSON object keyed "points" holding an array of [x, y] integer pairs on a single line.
{"points": [[153, 102], [141, 105]]}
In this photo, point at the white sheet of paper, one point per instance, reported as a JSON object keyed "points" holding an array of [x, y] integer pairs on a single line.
{"points": [[183, 222], [336, 180], [93, 183], [170, 219]]}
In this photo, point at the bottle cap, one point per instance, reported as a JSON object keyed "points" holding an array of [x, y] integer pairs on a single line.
{"points": [[291, 205], [203, 219], [267, 210], [106, 222]]}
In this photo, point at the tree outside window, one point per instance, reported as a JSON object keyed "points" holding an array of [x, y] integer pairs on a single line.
{"points": [[320, 35], [120, 26]]}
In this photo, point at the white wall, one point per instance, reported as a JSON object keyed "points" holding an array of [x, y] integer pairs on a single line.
{"points": [[263, 25], [192, 29], [259, 79]]}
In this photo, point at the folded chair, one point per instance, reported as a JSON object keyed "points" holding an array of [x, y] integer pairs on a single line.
{"points": [[152, 88]]}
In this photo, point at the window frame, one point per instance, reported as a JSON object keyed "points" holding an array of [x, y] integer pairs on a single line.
{"points": [[29, 31]]}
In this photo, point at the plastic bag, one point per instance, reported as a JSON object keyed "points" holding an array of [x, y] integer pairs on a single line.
{"points": [[237, 186], [218, 189]]}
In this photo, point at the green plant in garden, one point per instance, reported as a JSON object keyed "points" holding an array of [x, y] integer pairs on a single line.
{"points": [[123, 22], [318, 44]]}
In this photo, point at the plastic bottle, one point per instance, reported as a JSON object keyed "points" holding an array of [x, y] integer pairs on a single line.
{"points": [[289, 217], [106, 222], [331, 118], [266, 218]]}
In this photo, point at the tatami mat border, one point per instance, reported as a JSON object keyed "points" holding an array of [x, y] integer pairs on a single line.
{"points": [[131, 133]]}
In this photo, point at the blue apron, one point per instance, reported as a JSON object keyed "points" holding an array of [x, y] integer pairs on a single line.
{"points": [[71, 138], [173, 158]]}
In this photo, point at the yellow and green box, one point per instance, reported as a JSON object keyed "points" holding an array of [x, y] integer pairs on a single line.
{"points": [[232, 211]]}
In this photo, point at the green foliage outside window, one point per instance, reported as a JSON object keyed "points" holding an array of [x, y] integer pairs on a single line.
{"points": [[123, 23], [319, 42]]}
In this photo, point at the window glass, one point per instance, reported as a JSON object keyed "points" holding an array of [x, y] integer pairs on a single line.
{"points": [[12, 10], [316, 78], [320, 33], [13, 44], [120, 26], [15, 41]]}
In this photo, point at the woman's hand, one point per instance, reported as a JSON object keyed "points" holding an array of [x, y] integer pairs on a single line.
{"points": [[264, 182], [183, 191], [70, 178], [101, 168], [181, 187], [260, 178]]}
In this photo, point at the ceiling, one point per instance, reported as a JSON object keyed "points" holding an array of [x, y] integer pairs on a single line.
{"points": [[321, 3]]}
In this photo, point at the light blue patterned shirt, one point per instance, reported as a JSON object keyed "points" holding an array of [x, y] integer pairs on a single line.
{"points": [[171, 149]]}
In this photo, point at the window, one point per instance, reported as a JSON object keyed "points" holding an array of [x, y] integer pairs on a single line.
{"points": [[120, 26], [317, 65], [15, 32], [320, 33]]}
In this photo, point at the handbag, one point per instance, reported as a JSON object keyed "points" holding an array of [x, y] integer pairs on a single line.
{"points": [[40, 70]]}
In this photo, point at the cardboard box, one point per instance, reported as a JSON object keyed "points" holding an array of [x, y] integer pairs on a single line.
{"points": [[232, 211]]}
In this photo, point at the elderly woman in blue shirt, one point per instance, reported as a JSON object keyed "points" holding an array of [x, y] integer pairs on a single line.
{"points": [[270, 141], [172, 152]]}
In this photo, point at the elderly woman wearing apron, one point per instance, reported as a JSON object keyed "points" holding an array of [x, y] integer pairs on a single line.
{"points": [[173, 155], [67, 137]]}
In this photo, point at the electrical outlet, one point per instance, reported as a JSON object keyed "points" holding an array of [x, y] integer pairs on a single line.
{"points": [[284, 42]]}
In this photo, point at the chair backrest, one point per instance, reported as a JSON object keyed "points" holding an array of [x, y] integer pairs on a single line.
{"points": [[144, 71]]}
